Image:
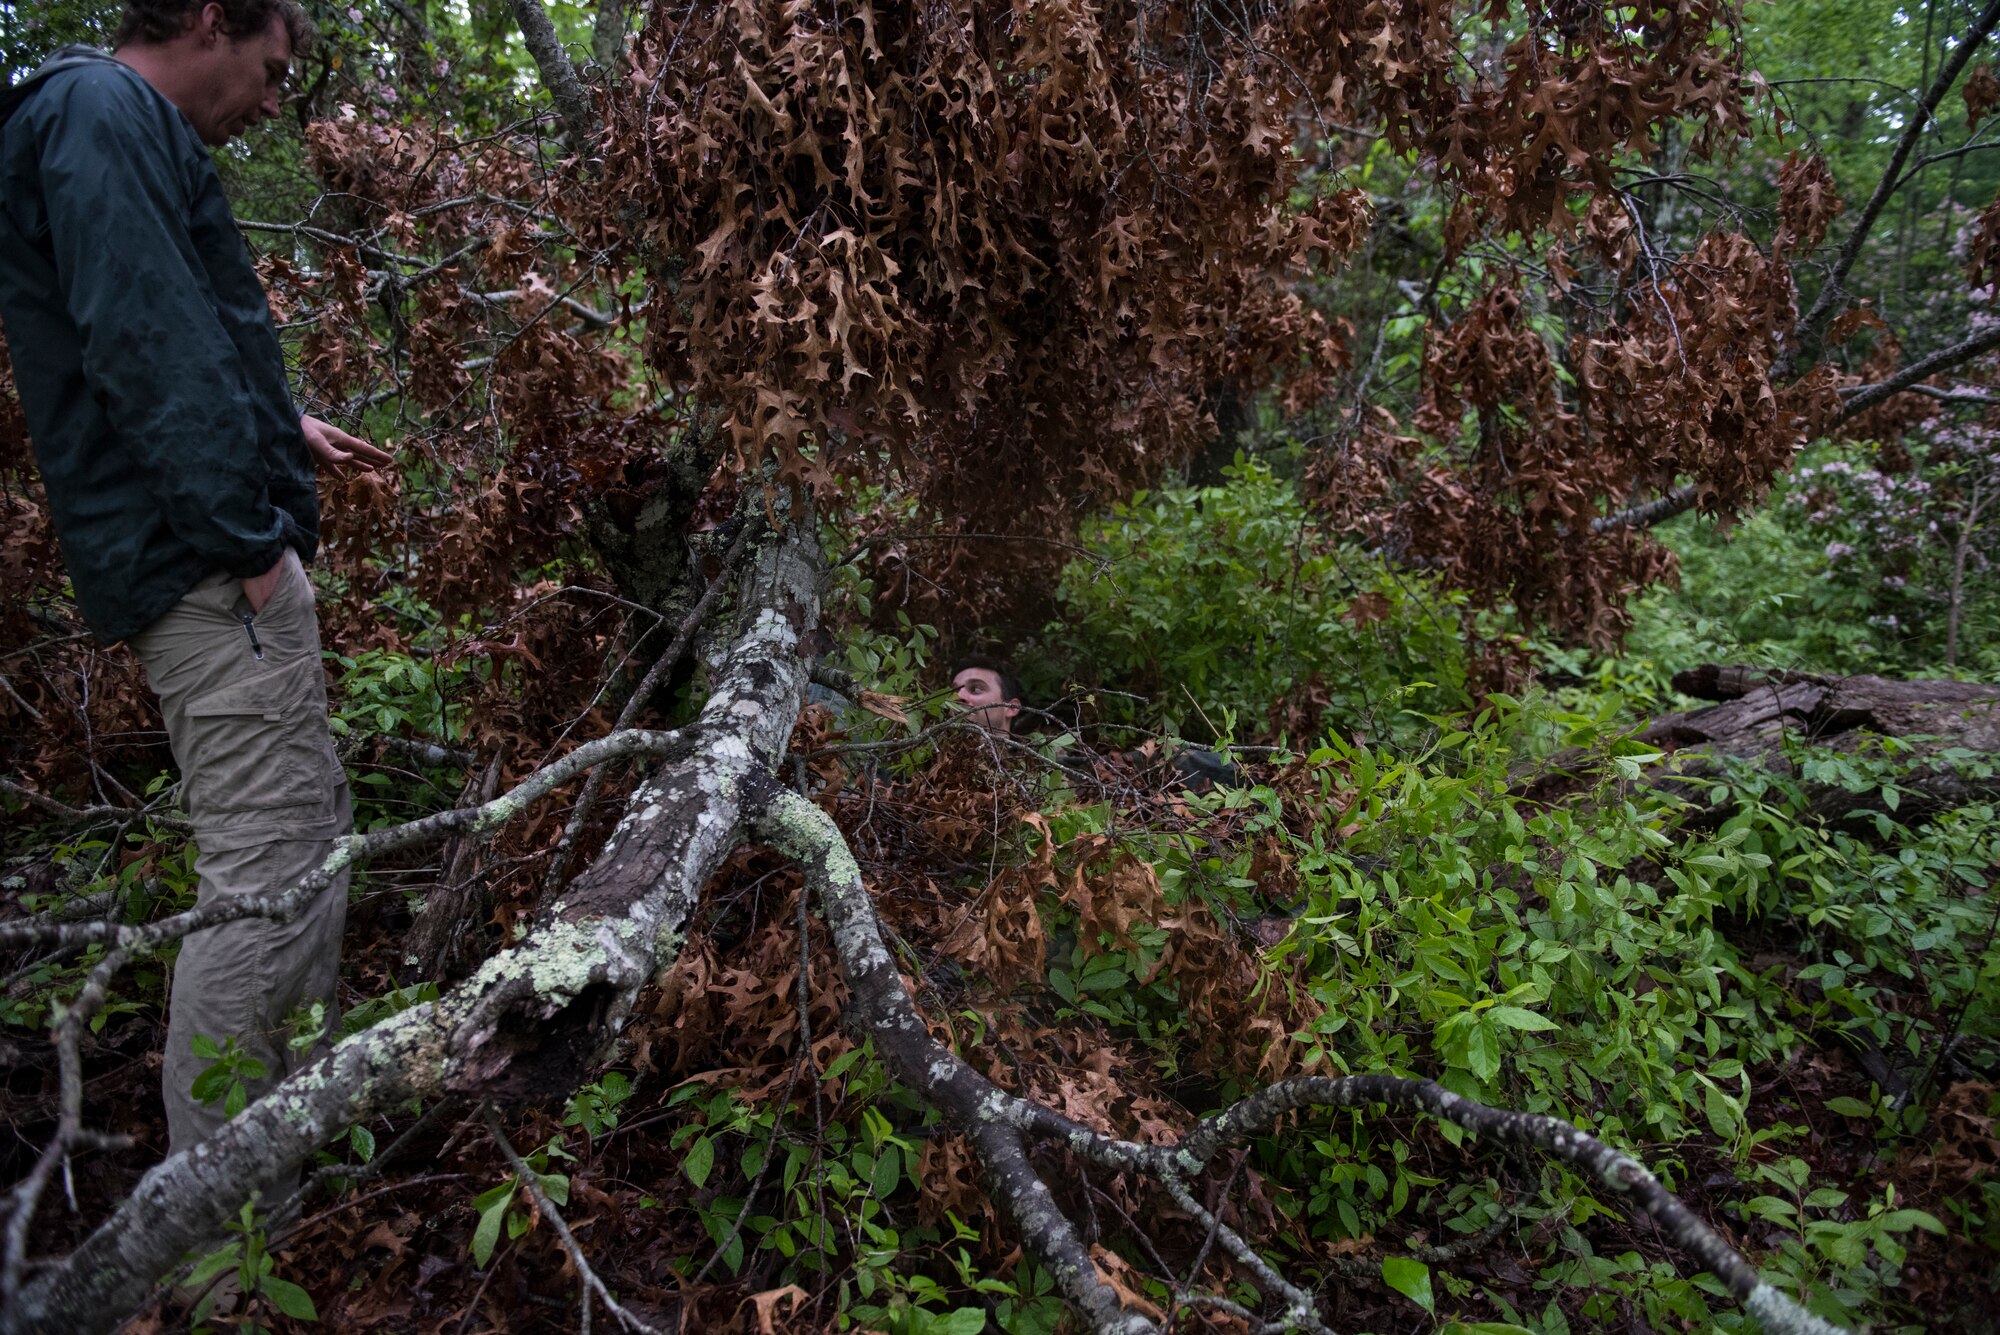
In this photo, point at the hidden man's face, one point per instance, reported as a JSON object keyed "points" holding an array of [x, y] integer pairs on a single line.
{"points": [[979, 696]]}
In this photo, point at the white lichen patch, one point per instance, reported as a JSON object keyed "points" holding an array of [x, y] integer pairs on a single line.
{"points": [[1781, 1316], [1623, 1174], [559, 959]]}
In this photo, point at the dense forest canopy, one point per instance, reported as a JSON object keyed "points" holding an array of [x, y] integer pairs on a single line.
{"points": [[1393, 395]]}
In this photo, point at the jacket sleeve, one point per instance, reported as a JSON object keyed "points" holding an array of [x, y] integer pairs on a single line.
{"points": [[154, 351]]}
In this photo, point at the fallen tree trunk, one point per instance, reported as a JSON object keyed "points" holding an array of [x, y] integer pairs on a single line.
{"points": [[528, 1024], [1944, 732], [536, 1019]]}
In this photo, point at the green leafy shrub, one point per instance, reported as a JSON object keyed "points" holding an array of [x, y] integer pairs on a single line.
{"points": [[1848, 569], [1214, 603], [1583, 957]]}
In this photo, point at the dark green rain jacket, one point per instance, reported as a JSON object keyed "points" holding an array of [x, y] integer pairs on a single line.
{"points": [[143, 349]]}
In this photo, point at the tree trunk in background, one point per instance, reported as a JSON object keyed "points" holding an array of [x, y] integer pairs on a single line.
{"points": [[607, 37]]}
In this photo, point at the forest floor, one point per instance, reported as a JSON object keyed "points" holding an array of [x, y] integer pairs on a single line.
{"points": [[392, 1249]]}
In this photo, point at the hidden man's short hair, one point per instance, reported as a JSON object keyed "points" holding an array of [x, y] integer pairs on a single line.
{"points": [[1010, 685]]}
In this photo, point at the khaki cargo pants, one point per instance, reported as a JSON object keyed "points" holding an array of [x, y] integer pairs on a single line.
{"points": [[245, 704]]}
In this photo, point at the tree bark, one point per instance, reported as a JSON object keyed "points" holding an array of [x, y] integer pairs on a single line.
{"points": [[572, 100], [607, 37], [533, 1020], [1759, 710]]}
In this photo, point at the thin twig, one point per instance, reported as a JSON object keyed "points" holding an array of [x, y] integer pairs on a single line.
{"points": [[591, 1283]]}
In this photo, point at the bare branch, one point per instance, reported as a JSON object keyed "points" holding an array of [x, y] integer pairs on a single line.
{"points": [[1300, 1310], [596, 319], [354, 850], [1599, 1162], [1862, 397], [81, 815], [1833, 294], [1656, 511]]}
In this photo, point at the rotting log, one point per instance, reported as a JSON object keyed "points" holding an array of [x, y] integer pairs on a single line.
{"points": [[1758, 712]]}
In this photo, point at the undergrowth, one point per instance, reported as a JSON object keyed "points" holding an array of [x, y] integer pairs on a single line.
{"points": [[1792, 1019]]}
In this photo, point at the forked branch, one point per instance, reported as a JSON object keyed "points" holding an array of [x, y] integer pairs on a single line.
{"points": [[996, 1121], [532, 1020]]}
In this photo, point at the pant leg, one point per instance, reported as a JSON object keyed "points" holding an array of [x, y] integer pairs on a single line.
{"points": [[245, 706]]}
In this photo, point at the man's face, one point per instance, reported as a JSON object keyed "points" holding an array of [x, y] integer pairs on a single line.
{"points": [[979, 696], [242, 77]]}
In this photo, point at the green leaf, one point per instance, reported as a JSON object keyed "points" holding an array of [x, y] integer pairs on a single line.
{"points": [[700, 1161], [1410, 1278], [962, 1321], [288, 1298], [1516, 1018], [504, 1192], [888, 1172], [1723, 1117], [1848, 1106], [1482, 1050], [211, 1084], [222, 1258], [1902, 1221], [206, 1048], [487, 1236], [363, 1141]]}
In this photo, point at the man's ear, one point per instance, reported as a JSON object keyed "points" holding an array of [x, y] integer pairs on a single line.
{"points": [[1013, 708], [208, 23]]}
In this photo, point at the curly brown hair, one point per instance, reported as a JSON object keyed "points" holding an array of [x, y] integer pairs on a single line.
{"points": [[164, 20]]}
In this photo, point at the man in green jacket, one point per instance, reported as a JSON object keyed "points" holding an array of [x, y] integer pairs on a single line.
{"points": [[180, 478]]}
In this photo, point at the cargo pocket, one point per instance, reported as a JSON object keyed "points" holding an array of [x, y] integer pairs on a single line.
{"points": [[259, 747]]}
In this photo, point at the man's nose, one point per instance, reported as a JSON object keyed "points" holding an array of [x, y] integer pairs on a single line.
{"points": [[268, 108]]}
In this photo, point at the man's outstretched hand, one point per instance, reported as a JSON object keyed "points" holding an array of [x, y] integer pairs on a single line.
{"points": [[335, 449]]}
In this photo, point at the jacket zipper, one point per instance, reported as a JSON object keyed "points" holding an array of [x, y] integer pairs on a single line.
{"points": [[250, 629]]}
